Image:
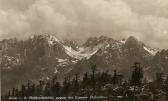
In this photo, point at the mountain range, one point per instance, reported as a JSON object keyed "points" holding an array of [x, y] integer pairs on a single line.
{"points": [[42, 56]]}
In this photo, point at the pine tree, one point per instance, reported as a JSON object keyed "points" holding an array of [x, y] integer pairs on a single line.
{"points": [[57, 89], [33, 90], [54, 79], [55, 86], [75, 83], [9, 93], [17, 92], [93, 81], [28, 89], [167, 80], [137, 75], [66, 86], [39, 88], [85, 80], [167, 86], [13, 92], [47, 89], [115, 77], [23, 89]]}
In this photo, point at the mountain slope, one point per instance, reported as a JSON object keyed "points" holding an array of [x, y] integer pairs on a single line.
{"points": [[42, 56], [114, 54]]}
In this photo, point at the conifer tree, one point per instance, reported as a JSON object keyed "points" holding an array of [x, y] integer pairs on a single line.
{"points": [[33, 90], [75, 83], [23, 89], [17, 92], [167, 80], [115, 78], [39, 88], [28, 89], [85, 80], [167, 86], [54, 80], [57, 88], [93, 81], [9, 93], [13, 92], [47, 89], [137, 75], [66, 86]]}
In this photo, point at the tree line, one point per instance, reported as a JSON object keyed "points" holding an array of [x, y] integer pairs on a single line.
{"points": [[91, 83]]}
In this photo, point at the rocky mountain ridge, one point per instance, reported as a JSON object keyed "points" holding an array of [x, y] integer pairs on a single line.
{"points": [[42, 56]]}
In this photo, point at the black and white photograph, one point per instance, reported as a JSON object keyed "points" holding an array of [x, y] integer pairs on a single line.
{"points": [[84, 50]]}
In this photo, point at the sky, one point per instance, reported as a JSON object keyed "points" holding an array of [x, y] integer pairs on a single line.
{"points": [[147, 20]]}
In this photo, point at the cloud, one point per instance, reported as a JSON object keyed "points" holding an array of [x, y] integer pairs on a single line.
{"points": [[80, 19], [149, 7]]}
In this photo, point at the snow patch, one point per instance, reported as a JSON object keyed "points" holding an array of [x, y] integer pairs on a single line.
{"points": [[51, 39], [62, 64], [123, 41], [78, 54], [50, 42], [74, 61], [56, 71], [62, 60], [107, 46], [151, 51]]}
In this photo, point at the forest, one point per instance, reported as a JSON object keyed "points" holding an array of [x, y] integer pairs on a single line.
{"points": [[94, 86]]}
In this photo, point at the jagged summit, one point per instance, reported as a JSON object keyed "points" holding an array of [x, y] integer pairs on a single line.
{"points": [[132, 40], [93, 41], [102, 37], [50, 38]]}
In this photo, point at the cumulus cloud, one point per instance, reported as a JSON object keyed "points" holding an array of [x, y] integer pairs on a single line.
{"points": [[80, 19], [149, 7]]}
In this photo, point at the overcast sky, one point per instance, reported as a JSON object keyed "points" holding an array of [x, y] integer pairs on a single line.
{"points": [[79, 19]]}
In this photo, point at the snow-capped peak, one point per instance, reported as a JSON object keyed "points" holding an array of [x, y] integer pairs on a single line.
{"points": [[51, 39]]}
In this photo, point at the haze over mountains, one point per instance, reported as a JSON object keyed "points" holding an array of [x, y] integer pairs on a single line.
{"points": [[42, 56]]}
